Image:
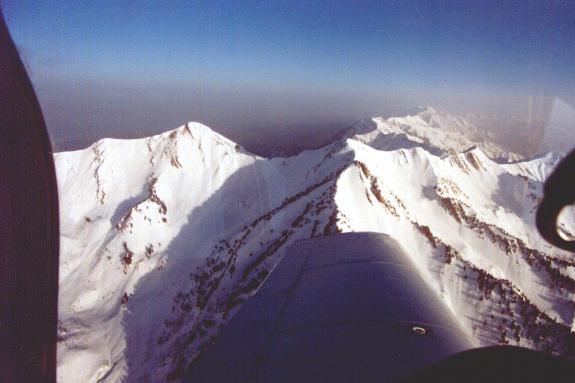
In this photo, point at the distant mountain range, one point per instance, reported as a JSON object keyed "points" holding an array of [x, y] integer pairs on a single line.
{"points": [[436, 132], [164, 238]]}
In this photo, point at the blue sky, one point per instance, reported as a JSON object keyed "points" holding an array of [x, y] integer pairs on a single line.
{"points": [[351, 51]]}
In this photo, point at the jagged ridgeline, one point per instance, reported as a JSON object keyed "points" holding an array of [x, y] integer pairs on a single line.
{"points": [[164, 238]]}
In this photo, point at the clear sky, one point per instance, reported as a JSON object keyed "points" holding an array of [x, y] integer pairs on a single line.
{"points": [[116, 67]]}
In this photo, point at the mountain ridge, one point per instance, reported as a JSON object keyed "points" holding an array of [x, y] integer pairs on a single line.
{"points": [[164, 238], [437, 132]]}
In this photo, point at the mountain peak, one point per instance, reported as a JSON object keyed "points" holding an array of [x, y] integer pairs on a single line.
{"points": [[418, 110], [429, 129]]}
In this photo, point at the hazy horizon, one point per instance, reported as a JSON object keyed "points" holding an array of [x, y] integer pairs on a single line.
{"points": [[265, 73]]}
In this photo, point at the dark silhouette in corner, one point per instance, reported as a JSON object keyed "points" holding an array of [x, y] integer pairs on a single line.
{"points": [[29, 234]]}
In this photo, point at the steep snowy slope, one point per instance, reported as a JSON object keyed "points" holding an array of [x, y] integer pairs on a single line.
{"points": [[164, 238], [437, 132]]}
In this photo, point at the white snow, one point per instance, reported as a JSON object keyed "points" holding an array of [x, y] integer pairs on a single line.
{"points": [[164, 238], [425, 127]]}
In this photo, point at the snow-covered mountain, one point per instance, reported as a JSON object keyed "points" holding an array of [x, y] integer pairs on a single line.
{"points": [[425, 127], [164, 238]]}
